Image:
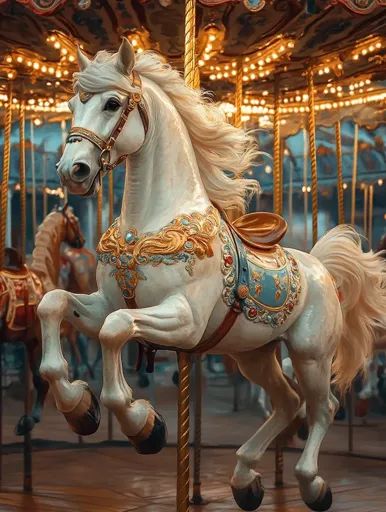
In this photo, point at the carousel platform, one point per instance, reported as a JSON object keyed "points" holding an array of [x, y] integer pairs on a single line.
{"points": [[116, 479]]}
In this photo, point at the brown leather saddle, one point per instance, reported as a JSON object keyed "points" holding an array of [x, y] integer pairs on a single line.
{"points": [[259, 230]]}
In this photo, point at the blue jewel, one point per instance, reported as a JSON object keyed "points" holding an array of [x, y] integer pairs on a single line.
{"points": [[185, 222], [189, 245], [130, 237]]}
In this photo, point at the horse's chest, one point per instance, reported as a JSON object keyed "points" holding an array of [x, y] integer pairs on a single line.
{"points": [[266, 286]]}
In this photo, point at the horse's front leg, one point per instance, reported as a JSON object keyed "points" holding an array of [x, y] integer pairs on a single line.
{"points": [[171, 323], [87, 313]]}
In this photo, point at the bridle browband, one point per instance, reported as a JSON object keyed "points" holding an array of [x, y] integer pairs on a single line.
{"points": [[106, 146]]}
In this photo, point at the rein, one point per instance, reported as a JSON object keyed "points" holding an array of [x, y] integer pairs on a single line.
{"points": [[106, 146]]}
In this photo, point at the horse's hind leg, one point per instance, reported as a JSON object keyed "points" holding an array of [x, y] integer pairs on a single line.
{"points": [[311, 348], [261, 367]]}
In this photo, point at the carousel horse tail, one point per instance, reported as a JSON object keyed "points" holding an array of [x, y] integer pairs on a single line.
{"points": [[360, 279]]}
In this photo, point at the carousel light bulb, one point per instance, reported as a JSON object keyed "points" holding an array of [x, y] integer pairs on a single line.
{"points": [[8, 59], [268, 169], [304, 189], [201, 63], [298, 98], [11, 75], [380, 182], [234, 64], [245, 78], [364, 51], [212, 38], [252, 76], [51, 70], [71, 58], [320, 72], [368, 81], [36, 65], [260, 62], [345, 186], [58, 74], [64, 51], [206, 56], [19, 59], [355, 56], [253, 66], [66, 72], [44, 69], [268, 60], [226, 74], [57, 45], [281, 49], [326, 70], [333, 90], [219, 76], [234, 72], [308, 189], [275, 56], [378, 45], [37, 122], [371, 48], [291, 44]]}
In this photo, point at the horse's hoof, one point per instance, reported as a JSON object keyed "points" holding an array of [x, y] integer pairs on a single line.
{"points": [[249, 498], [152, 437], [85, 418], [324, 501], [24, 425]]}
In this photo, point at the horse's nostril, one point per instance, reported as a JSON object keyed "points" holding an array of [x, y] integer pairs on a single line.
{"points": [[80, 172]]}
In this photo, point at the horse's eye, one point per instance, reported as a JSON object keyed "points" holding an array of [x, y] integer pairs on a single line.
{"points": [[112, 105]]}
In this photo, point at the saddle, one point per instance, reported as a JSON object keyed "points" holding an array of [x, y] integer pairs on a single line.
{"points": [[259, 230]]}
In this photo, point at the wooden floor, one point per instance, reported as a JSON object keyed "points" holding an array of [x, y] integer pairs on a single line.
{"points": [[116, 479]]}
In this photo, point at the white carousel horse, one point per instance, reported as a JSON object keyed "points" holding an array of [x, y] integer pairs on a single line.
{"points": [[171, 269]]}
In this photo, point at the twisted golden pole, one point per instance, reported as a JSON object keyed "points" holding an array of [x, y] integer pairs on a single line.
{"points": [[370, 216], [338, 140], [354, 174], [277, 160], [312, 139], [111, 198], [6, 168], [23, 207], [190, 42], [365, 209], [239, 94], [190, 73], [183, 433], [99, 212]]}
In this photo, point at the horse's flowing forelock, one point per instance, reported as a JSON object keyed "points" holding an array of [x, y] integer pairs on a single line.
{"points": [[218, 145]]}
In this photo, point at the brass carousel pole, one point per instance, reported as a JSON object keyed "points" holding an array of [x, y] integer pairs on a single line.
{"points": [[305, 185], [338, 140], [27, 476], [354, 174], [278, 208], [3, 229], [365, 209], [184, 358], [239, 94], [110, 425], [33, 176], [370, 216], [197, 498], [312, 139]]}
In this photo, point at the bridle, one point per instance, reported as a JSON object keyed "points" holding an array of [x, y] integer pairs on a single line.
{"points": [[71, 222], [105, 146]]}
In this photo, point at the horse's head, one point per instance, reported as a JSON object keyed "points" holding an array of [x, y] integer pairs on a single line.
{"points": [[73, 233], [109, 119]]}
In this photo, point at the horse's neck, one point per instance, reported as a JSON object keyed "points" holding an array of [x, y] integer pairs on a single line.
{"points": [[162, 180], [46, 254]]}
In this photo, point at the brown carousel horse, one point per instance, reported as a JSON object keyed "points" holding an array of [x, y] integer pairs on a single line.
{"points": [[22, 287]]}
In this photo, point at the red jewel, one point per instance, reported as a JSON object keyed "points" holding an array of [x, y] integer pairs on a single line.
{"points": [[228, 260], [252, 312], [290, 306]]}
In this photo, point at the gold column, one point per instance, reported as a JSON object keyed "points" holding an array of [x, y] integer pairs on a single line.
{"points": [[99, 225], [23, 207], [110, 424], [305, 185], [370, 218], [6, 168], [190, 74], [365, 209], [354, 174], [338, 140], [277, 160], [312, 139], [33, 178], [239, 94]]}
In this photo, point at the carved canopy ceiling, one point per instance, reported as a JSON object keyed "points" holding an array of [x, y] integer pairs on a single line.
{"points": [[316, 27]]}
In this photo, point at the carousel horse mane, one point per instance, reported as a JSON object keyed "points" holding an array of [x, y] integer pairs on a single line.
{"points": [[46, 254], [217, 144]]}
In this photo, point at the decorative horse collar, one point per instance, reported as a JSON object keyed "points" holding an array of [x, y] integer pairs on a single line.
{"points": [[105, 146], [185, 238]]}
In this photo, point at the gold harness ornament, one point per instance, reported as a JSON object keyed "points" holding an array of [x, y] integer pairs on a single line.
{"points": [[185, 238]]}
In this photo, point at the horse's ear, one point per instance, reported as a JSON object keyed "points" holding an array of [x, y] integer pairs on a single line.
{"points": [[83, 60], [125, 57]]}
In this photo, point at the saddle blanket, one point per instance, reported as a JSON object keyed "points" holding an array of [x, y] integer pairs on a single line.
{"points": [[264, 284]]}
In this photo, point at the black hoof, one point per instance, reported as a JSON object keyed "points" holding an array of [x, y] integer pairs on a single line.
{"points": [[24, 425], [324, 501], [153, 436], [250, 497], [303, 430], [85, 418]]}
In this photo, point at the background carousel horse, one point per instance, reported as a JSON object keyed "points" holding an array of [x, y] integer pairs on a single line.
{"points": [[77, 275], [173, 273], [21, 289]]}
